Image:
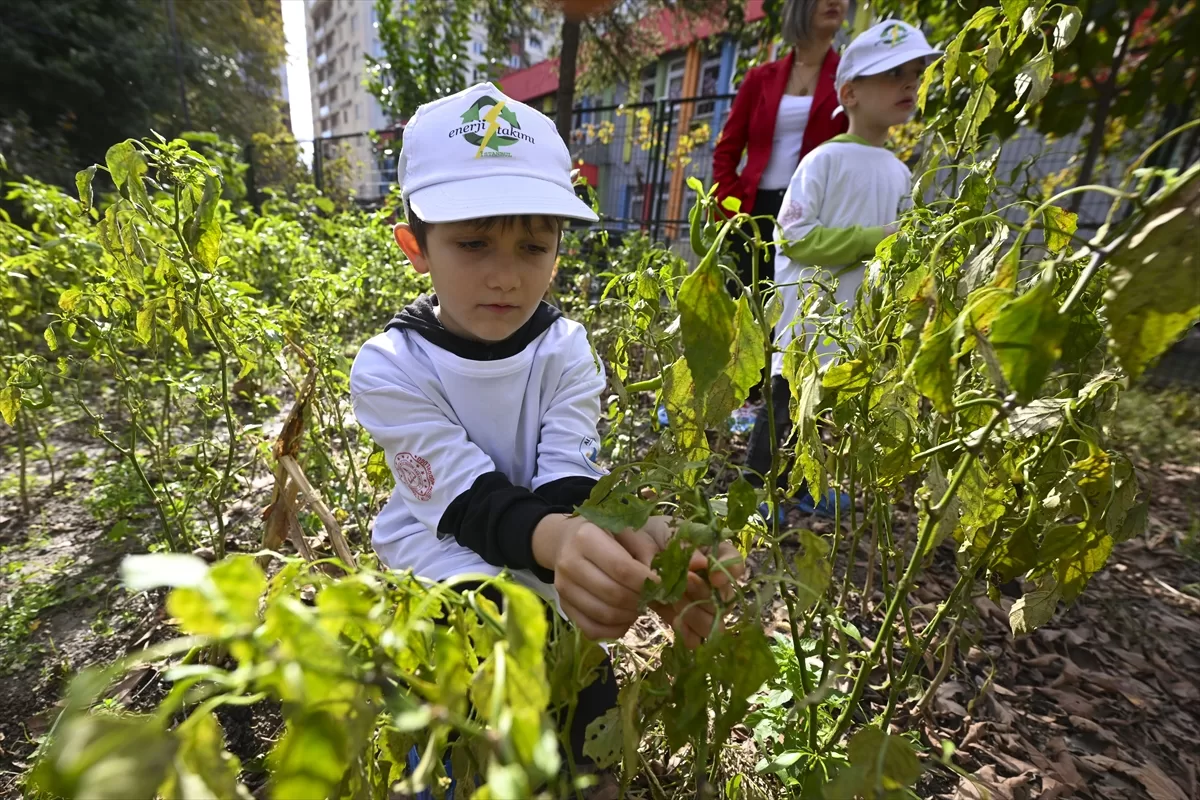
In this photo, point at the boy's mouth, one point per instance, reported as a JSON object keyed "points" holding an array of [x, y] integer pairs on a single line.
{"points": [[498, 308], [907, 102]]}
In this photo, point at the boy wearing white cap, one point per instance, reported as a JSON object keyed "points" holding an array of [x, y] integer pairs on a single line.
{"points": [[843, 200], [485, 398]]}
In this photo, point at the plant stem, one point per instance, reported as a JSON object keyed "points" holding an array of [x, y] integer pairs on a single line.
{"points": [[905, 583]]}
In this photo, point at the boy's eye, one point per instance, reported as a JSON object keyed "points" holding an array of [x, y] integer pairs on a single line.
{"points": [[537, 248], [472, 244], [894, 72]]}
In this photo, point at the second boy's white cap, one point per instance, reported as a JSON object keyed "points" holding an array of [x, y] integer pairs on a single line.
{"points": [[480, 154], [885, 46]]}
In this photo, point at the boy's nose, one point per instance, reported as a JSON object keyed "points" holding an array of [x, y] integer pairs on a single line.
{"points": [[504, 277]]}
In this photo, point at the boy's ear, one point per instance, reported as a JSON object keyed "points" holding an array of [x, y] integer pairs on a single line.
{"points": [[846, 95], [408, 243]]}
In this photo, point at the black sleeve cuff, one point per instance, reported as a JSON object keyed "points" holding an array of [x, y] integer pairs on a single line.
{"points": [[496, 520], [569, 493]]}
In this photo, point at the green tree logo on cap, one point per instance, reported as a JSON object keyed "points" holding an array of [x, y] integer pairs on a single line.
{"points": [[494, 134], [893, 34]]}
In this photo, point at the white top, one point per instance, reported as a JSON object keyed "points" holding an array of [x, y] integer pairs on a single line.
{"points": [[790, 123], [444, 420], [839, 184]]}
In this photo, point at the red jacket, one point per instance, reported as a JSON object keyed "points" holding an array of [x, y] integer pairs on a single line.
{"points": [[750, 127]]}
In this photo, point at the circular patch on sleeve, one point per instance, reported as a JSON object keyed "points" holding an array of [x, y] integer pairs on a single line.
{"points": [[589, 448], [416, 474]]}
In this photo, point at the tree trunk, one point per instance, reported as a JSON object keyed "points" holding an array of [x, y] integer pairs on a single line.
{"points": [[566, 78], [1100, 115]]}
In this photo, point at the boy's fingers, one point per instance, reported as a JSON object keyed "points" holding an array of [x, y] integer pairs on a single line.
{"points": [[639, 545], [584, 577], [615, 561], [600, 611], [591, 629]]}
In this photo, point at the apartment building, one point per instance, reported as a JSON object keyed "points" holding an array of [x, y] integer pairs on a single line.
{"points": [[341, 33]]}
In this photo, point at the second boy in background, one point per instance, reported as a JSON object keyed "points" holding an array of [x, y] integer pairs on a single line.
{"points": [[842, 201]]}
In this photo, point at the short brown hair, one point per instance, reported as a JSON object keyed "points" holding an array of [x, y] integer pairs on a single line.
{"points": [[420, 228]]}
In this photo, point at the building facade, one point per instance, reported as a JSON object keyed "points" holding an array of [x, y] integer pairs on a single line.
{"points": [[340, 35]]}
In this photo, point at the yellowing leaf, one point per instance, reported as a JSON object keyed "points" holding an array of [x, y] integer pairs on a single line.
{"points": [[51, 339], [1153, 295], [69, 299], [10, 404], [1034, 609], [932, 371], [1027, 338], [125, 163], [1060, 227]]}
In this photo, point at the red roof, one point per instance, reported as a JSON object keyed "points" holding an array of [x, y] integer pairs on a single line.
{"points": [[542, 78]]}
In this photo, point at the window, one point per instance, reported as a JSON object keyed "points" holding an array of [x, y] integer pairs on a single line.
{"points": [[345, 115], [649, 81], [479, 74], [357, 107], [675, 78], [477, 48], [353, 23], [710, 73], [514, 61], [477, 16], [535, 42]]}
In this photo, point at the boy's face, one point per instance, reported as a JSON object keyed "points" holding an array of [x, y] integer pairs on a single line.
{"points": [[489, 279], [888, 98]]}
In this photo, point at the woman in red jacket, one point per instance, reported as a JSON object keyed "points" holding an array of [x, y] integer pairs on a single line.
{"points": [[782, 110]]}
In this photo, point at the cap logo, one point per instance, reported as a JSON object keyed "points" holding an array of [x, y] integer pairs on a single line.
{"points": [[491, 130], [893, 34]]}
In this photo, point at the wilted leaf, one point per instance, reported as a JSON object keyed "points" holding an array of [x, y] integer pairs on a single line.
{"points": [[932, 370], [706, 315], [1034, 609], [1038, 417], [1060, 226], [880, 764], [83, 183], [1027, 338], [1153, 295], [748, 354], [1067, 27]]}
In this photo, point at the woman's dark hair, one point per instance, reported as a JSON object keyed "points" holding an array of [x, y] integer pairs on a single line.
{"points": [[796, 20], [420, 228]]}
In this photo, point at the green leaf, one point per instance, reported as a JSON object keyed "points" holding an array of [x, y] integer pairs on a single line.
{"points": [[1153, 295], [981, 501], [813, 571], [69, 299], [880, 765], [671, 564], [1013, 9], [125, 163], [602, 742], [379, 474], [324, 204], [743, 501], [145, 321], [979, 105], [309, 760], [10, 404], [694, 184], [1035, 78], [732, 204], [239, 582], [204, 769], [105, 757], [748, 354], [1027, 338], [707, 323], [927, 80], [1067, 26], [932, 371], [51, 339], [1034, 609], [618, 510], [83, 183], [155, 570], [848, 378]]}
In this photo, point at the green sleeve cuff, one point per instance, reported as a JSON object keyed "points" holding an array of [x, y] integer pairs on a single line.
{"points": [[832, 247]]}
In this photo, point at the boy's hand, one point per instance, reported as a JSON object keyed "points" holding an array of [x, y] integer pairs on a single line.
{"points": [[890, 228], [691, 616], [599, 582]]}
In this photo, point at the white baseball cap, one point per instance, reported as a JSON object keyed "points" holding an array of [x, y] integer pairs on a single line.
{"points": [[480, 154], [885, 46]]}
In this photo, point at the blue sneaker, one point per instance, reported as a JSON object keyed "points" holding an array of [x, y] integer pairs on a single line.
{"points": [[827, 506], [662, 416], [414, 759], [741, 421], [764, 511]]}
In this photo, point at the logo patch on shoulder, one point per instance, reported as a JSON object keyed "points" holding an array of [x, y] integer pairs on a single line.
{"points": [[416, 474], [589, 449]]}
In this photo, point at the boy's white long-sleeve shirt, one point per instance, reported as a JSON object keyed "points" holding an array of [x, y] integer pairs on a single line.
{"points": [[832, 216], [482, 445]]}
